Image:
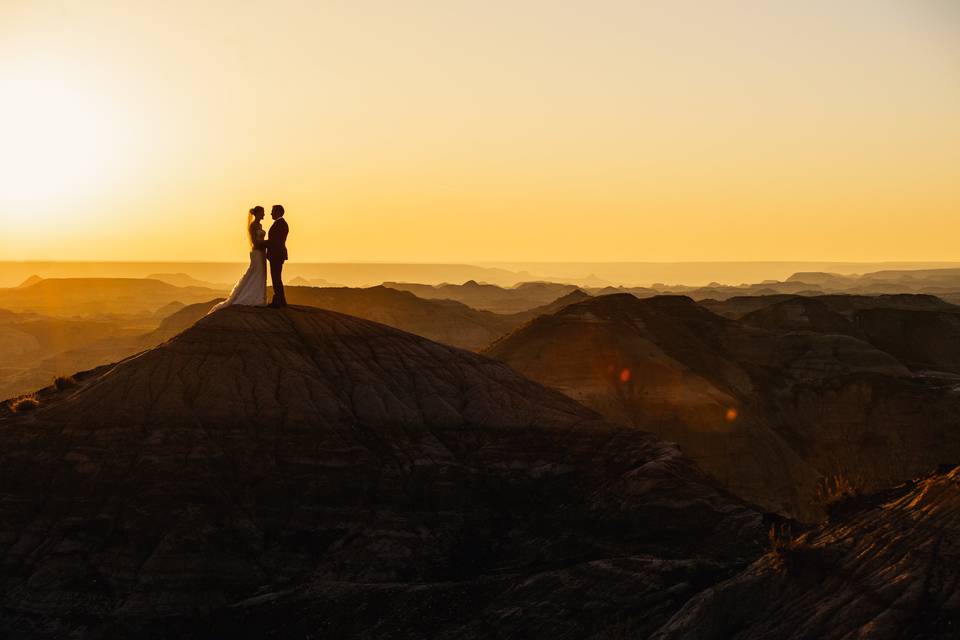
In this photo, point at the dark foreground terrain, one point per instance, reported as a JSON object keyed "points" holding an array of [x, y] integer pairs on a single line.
{"points": [[302, 473], [887, 567], [307, 474]]}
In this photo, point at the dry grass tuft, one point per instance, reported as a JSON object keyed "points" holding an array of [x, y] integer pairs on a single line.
{"points": [[780, 537], [64, 382], [24, 404], [788, 550], [839, 492]]}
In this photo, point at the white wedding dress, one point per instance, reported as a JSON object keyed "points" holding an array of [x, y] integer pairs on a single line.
{"points": [[251, 290]]}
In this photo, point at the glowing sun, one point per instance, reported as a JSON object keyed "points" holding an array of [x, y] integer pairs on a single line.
{"points": [[61, 140]]}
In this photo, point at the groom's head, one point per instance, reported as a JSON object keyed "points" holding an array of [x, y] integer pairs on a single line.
{"points": [[277, 211]]}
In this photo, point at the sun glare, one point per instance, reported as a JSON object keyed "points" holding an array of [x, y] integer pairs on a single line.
{"points": [[61, 140]]}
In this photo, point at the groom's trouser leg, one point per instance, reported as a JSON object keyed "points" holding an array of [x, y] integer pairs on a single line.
{"points": [[276, 277]]}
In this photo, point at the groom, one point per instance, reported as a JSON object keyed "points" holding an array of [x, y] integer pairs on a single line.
{"points": [[277, 254]]}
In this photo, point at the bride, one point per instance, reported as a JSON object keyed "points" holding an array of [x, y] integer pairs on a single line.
{"points": [[251, 290]]}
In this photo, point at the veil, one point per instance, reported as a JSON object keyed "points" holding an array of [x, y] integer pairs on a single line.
{"points": [[250, 220]]}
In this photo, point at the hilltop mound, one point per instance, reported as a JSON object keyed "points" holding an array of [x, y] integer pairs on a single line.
{"points": [[302, 464], [518, 319], [800, 314], [29, 282]]}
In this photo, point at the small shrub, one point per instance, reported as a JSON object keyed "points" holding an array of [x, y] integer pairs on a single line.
{"points": [[780, 537], [838, 492], [788, 551], [64, 382], [24, 404]]}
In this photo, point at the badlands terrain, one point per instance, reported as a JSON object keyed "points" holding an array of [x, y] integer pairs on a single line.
{"points": [[473, 460]]}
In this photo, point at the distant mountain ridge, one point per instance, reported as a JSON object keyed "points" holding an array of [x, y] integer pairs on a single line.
{"points": [[184, 280], [488, 297]]}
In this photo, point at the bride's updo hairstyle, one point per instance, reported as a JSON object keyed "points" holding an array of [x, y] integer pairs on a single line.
{"points": [[255, 213]]}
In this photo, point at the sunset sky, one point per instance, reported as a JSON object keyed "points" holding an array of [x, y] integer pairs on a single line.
{"points": [[465, 131]]}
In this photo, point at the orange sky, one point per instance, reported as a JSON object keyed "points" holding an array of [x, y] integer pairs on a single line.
{"points": [[455, 131]]}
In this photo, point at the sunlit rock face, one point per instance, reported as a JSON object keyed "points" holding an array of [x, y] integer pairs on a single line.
{"points": [[887, 566], [279, 472], [771, 412]]}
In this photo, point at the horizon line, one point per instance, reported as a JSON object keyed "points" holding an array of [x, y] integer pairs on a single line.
{"points": [[492, 262]]}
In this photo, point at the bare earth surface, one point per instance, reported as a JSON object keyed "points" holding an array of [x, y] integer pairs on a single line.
{"points": [[890, 570], [302, 473]]}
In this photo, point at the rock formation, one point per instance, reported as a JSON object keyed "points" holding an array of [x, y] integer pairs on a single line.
{"points": [[921, 331], [770, 413], [887, 569]]}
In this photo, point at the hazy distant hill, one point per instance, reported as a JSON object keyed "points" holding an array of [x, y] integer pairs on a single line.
{"points": [[32, 280], [522, 297], [273, 473], [184, 280], [31, 344], [29, 336], [36, 349], [71, 297], [445, 321], [942, 282], [830, 280]]}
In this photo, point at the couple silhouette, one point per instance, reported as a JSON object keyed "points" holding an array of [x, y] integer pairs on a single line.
{"points": [[251, 289]]}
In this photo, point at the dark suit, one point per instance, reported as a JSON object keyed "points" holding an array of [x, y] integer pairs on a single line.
{"points": [[277, 255]]}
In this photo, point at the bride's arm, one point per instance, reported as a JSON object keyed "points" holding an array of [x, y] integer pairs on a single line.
{"points": [[254, 240]]}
